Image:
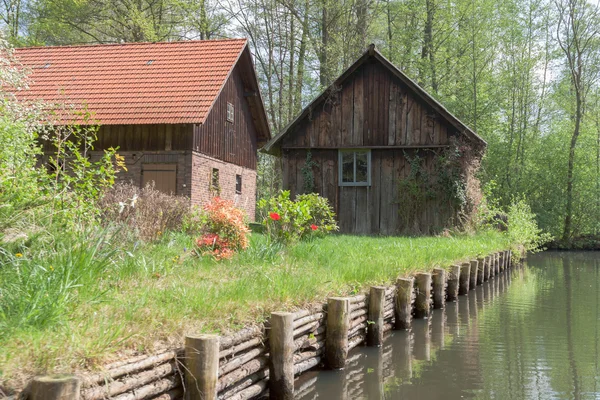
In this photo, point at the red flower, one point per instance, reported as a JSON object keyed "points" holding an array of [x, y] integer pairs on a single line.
{"points": [[274, 216], [314, 227]]}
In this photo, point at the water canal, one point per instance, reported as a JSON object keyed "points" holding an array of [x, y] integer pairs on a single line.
{"points": [[530, 333]]}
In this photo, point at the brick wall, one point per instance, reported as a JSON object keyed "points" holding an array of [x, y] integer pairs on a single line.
{"points": [[194, 174], [135, 159], [202, 167]]}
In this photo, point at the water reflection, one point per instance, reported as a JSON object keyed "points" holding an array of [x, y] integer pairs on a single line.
{"points": [[528, 333]]}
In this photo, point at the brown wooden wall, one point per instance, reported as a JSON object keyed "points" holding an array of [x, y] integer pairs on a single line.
{"points": [[366, 210], [372, 108], [155, 137], [235, 143]]}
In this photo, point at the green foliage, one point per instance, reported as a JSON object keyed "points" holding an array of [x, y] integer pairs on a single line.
{"points": [[308, 177], [287, 221], [39, 287], [523, 230], [445, 183]]}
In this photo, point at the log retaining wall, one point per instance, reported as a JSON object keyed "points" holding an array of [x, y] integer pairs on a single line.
{"points": [[241, 366]]}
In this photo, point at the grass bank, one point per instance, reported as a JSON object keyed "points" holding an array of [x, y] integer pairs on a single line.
{"points": [[148, 297]]}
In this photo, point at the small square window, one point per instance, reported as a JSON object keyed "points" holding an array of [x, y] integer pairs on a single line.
{"points": [[230, 112], [238, 184], [214, 181], [354, 167]]}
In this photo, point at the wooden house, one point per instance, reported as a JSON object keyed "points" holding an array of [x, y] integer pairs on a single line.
{"points": [[357, 140], [187, 115]]}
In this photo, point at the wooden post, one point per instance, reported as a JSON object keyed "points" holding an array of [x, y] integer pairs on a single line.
{"points": [[497, 263], [439, 287], [488, 267], [403, 308], [473, 275], [453, 276], [375, 317], [55, 387], [281, 367], [506, 259], [201, 367], [501, 262], [510, 262], [480, 270], [465, 275], [336, 338], [423, 299]]}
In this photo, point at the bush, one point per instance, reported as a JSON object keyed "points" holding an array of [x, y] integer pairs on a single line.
{"points": [[225, 231], [523, 229], [287, 221], [146, 212]]}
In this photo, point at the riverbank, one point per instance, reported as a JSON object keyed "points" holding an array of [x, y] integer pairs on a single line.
{"points": [[586, 242], [151, 297]]}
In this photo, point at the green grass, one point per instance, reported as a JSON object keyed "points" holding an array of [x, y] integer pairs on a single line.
{"points": [[149, 297]]}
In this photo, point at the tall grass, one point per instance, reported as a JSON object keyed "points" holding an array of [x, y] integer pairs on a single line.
{"points": [[95, 302]]}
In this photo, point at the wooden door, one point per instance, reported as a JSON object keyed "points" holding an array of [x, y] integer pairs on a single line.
{"points": [[164, 177]]}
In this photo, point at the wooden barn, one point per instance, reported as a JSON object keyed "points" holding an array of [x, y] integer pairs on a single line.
{"points": [[187, 115], [355, 144]]}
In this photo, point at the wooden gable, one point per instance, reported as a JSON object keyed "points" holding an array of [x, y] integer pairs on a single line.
{"points": [[372, 104], [371, 108]]}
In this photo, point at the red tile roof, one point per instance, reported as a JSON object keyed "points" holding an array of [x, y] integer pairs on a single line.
{"points": [[133, 83]]}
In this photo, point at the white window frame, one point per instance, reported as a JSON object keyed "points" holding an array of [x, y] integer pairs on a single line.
{"points": [[340, 167], [230, 116]]}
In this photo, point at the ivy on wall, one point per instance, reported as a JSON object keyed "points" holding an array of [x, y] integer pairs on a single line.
{"points": [[308, 177], [450, 180]]}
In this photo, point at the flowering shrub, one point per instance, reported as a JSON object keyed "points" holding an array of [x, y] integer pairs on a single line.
{"points": [[287, 221], [225, 232]]}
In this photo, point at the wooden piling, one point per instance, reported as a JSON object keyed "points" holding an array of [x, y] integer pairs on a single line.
{"points": [[281, 366], [473, 275], [403, 308], [336, 338], [201, 367], [375, 316], [480, 270], [510, 262], [453, 277], [439, 287], [501, 262], [465, 275], [55, 387], [488, 267], [497, 263], [423, 298]]}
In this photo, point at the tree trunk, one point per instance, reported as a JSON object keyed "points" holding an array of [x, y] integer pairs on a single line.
{"points": [[323, 59], [574, 137]]}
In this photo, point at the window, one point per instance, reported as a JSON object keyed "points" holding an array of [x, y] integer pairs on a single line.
{"points": [[214, 182], [238, 184], [230, 112], [355, 167]]}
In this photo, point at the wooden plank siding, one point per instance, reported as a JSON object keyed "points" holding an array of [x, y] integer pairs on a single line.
{"points": [[371, 109], [153, 137], [235, 142], [366, 210]]}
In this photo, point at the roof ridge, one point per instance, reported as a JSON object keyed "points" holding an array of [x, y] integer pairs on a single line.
{"points": [[130, 44]]}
